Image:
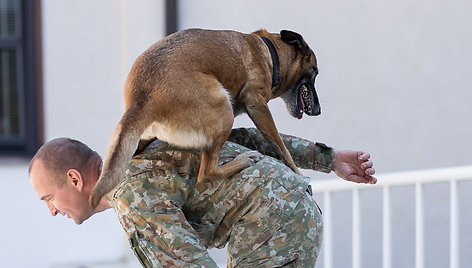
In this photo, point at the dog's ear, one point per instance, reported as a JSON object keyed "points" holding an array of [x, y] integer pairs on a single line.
{"points": [[294, 39]]}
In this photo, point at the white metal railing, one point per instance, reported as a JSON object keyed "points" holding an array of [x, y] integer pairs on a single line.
{"points": [[416, 178]]}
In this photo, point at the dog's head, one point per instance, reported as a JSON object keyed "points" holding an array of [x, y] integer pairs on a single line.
{"points": [[301, 96]]}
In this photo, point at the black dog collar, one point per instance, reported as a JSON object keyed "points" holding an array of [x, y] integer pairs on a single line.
{"points": [[275, 62]]}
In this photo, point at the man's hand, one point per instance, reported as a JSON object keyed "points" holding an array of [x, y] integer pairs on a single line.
{"points": [[354, 166]]}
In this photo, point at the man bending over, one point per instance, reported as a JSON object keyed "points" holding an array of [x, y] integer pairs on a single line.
{"points": [[265, 214]]}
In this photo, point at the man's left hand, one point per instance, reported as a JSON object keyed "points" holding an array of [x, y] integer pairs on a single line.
{"points": [[354, 166]]}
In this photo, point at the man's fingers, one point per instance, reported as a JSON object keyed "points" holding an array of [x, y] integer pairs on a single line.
{"points": [[370, 171], [372, 180], [367, 179], [362, 179], [364, 156], [367, 164]]}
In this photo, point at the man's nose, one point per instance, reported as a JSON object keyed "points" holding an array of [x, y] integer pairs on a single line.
{"points": [[52, 209]]}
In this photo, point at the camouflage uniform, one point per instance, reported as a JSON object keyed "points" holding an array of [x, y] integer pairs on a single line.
{"points": [[263, 213]]}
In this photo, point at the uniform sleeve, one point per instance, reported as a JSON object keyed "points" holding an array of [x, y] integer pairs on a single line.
{"points": [[306, 154]]}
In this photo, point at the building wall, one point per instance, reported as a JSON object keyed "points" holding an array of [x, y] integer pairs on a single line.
{"points": [[393, 81], [88, 48], [393, 76]]}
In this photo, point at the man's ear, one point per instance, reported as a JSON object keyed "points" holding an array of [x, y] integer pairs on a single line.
{"points": [[294, 39], [75, 178]]}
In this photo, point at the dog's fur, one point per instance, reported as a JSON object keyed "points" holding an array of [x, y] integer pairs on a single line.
{"points": [[187, 88]]}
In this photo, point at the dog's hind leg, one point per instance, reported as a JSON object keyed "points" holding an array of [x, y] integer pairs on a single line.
{"points": [[211, 171], [217, 134]]}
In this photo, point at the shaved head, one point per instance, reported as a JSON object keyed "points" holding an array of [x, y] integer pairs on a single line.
{"points": [[61, 154]]}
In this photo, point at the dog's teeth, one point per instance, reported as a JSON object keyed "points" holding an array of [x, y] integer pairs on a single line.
{"points": [[305, 95]]}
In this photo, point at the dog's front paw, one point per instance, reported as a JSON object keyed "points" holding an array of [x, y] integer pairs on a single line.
{"points": [[249, 158]]}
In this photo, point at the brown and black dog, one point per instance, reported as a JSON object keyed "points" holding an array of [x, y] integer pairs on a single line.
{"points": [[187, 88]]}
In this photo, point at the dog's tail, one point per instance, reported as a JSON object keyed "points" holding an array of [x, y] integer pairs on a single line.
{"points": [[123, 144]]}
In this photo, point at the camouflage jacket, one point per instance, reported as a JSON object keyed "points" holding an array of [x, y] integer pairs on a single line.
{"points": [[161, 206]]}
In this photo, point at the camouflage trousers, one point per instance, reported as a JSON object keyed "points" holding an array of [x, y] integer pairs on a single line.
{"points": [[295, 243], [266, 221]]}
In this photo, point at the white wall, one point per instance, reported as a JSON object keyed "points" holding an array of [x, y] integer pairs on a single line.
{"points": [[88, 48], [393, 75]]}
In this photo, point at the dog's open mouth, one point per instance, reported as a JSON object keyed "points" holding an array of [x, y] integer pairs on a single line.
{"points": [[302, 98], [304, 101]]}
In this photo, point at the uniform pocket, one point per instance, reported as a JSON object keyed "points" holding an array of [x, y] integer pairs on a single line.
{"points": [[133, 240]]}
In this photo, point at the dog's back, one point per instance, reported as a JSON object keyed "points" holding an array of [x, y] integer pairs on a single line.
{"points": [[221, 54]]}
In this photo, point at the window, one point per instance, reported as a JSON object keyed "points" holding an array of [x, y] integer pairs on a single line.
{"points": [[19, 77]]}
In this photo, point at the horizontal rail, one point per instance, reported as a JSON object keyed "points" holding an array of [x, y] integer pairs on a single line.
{"points": [[396, 179]]}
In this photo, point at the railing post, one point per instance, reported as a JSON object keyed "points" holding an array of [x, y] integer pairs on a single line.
{"points": [[356, 230], [419, 226], [454, 237], [386, 229]]}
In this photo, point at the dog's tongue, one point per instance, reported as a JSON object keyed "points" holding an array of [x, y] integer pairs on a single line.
{"points": [[301, 106]]}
